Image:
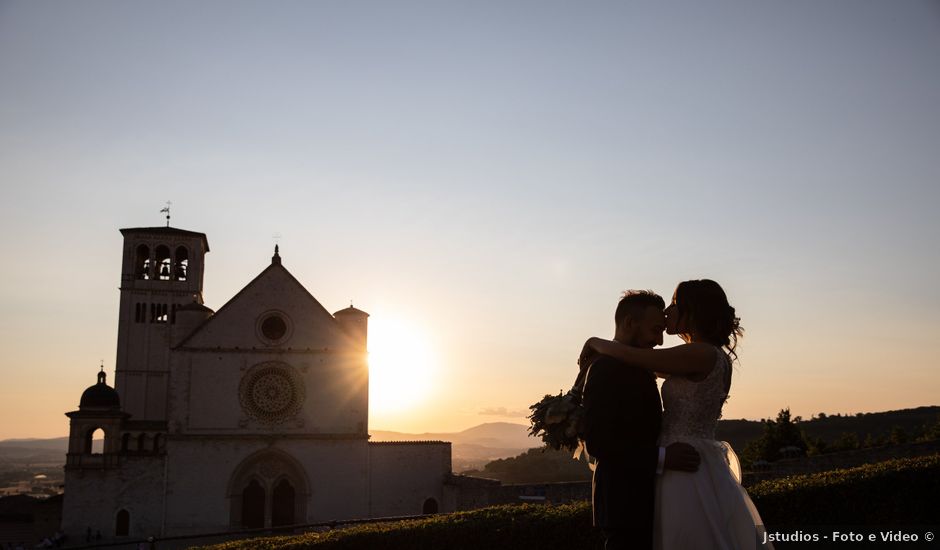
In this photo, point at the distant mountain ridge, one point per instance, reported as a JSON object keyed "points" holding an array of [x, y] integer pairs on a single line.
{"points": [[22, 452], [831, 427], [54, 444], [476, 446], [472, 448], [491, 434]]}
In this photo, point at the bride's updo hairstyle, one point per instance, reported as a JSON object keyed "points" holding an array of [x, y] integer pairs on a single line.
{"points": [[704, 306]]}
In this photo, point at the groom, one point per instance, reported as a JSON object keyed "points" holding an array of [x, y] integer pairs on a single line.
{"points": [[622, 420]]}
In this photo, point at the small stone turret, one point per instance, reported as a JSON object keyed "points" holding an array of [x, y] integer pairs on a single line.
{"points": [[98, 409], [355, 323]]}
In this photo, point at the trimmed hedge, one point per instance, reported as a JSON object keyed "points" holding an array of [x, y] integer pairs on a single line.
{"points": [[510, 527], [895, 492]]}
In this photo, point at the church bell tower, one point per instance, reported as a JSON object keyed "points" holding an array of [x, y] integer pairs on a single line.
{"points": [[161, 271]]}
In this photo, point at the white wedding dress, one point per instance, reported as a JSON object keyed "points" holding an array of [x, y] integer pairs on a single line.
{"points": [[707, 509]]}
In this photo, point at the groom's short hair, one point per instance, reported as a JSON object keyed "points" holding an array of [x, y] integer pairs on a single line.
{"points": [[634, 303]]}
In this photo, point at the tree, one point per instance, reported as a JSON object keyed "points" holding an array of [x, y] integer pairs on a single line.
{"points": [[536, 466], [816, 446], [847, 441], [781, 436], [898, 436], [932, 432]]}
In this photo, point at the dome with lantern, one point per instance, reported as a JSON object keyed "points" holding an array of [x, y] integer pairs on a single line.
{"points": [[101, 396]]}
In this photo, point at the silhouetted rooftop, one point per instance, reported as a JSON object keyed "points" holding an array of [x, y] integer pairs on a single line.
{"points": [[167, 231], [350, 310], [194, 306], [100, 396]]}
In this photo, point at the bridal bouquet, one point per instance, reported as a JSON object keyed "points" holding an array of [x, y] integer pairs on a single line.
{"points": [[558, 420]]}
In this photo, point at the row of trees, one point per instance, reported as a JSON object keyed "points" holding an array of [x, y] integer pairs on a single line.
{"points": [[785, 437], [536, 466]]}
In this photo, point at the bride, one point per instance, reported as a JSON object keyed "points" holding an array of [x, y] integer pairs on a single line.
{"points": [[709, 508]]}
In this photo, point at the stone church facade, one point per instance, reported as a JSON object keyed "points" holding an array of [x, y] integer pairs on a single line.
{"points": [[255, 415]]}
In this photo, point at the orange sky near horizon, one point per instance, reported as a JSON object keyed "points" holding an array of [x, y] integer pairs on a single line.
{"points": [[484, 179]]}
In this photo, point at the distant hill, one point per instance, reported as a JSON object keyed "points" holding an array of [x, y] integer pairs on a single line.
{"points": [[18, 453], [831, 427], [539, 466], [491, 434], [55, 444], [474, 447], [21, 452], [738, 432]]}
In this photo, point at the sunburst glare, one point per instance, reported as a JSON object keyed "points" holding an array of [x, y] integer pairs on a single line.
{"points": [[400, 365]]}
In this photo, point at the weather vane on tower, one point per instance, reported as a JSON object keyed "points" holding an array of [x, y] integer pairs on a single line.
{"points": [[167, 210]]}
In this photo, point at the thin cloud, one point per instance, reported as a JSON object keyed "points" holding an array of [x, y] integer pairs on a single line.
{"points": [[502, 411]]}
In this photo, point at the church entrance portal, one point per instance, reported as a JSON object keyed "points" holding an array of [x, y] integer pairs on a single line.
{"points": [[268, 489]]}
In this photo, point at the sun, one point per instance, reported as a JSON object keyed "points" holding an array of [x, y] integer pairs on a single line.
{"points": [[400, 365]]}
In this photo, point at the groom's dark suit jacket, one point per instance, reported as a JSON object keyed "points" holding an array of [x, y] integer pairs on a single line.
{"points": [[623, 418]]}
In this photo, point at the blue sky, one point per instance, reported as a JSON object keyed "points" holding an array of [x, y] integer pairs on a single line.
{"points": [[490, 174]]}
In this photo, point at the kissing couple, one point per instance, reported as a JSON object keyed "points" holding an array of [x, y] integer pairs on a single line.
{"points": [[661, 480]]}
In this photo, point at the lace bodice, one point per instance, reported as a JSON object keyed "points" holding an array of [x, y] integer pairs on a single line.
{"points": [[692, 409]]}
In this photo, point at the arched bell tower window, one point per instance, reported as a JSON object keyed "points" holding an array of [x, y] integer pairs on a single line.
{"points": [[142, 442], [125, 443], [90, 436], [142, 262], [182, 264], [164, 263], [122, 524]]}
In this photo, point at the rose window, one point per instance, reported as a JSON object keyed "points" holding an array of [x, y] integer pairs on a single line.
{"points": [[272, 393]]}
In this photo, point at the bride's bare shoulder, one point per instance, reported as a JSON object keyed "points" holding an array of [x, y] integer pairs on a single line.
{"points": [[700, 350]]}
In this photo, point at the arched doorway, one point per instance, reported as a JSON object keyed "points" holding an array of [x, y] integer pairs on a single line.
{"points": [[282, 505], [122, 524], [269, 488], [253, 505], [429, 507]]}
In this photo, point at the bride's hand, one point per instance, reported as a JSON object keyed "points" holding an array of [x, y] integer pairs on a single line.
{"points": [[588, 353]]}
